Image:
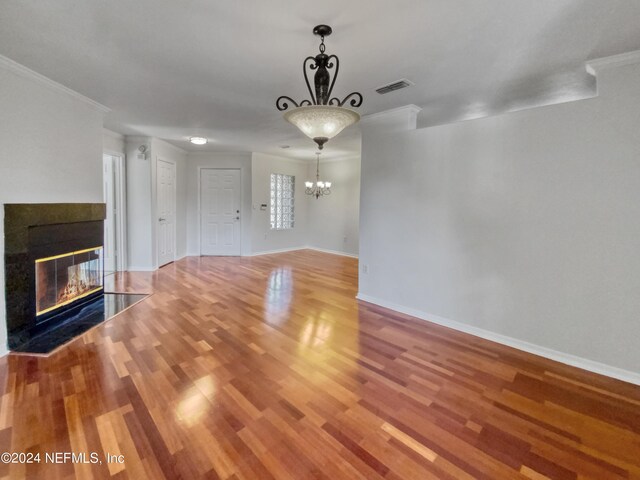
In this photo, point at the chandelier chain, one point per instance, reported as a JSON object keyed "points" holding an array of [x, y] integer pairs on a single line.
{"points": [[319, 188]]}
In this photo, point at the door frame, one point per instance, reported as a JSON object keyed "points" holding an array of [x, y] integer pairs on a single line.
{"points": [[155, 210], [200, 169], [120, 197]]}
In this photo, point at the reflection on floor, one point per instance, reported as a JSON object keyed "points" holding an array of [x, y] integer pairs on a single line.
{"points": [[92, 314], [269, 368]]}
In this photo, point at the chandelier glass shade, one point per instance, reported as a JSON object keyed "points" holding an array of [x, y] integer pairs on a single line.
{"points": [[317, 188], [322, 117], [321, 123]]}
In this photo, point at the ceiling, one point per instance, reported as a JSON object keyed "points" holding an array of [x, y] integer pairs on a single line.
{"points": [[215, 68]]}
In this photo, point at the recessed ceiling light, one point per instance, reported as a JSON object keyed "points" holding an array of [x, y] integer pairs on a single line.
{"points": [[198, 140]]}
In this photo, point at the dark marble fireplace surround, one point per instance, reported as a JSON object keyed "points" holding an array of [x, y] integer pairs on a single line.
{"points": [[34, 231]]}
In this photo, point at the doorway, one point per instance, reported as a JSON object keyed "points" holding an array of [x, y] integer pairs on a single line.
{"points": [[115, 254], [220, 207], [166, 211]]}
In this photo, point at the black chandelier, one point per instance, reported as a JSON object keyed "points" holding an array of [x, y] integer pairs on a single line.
{"points": [[322, 117]]}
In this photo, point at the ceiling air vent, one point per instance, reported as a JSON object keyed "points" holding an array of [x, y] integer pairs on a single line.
{"points": [[397, 85]]}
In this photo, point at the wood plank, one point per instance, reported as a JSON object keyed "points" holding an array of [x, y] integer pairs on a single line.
{"points": [[268, 367]]}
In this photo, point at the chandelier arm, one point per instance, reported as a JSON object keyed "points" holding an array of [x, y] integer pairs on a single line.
{"points": [[335, 74], [281, 103], [354, 102], [305, 103], [314, 100]]}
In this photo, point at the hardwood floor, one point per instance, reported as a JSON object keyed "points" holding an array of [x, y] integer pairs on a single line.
{"points": [[267, 367]]}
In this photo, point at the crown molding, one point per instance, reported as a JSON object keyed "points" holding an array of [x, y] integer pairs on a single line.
{"points": [[628, 58], [395, 120], [299, 161], [343, 158], [112, 134], [216, 156], [136, 138], [25, 72], [408, 109], [168, 145], [218, 152]]}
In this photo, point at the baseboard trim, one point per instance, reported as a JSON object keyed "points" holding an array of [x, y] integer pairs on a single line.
{"points": [[281, 250], [295, 249], [567, 359], [333, 252], [4, 351]]}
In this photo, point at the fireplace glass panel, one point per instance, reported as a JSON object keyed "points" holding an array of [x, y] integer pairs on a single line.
{"points": [[63, 279]]}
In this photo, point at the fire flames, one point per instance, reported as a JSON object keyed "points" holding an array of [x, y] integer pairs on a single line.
{"points": [[76, 286]]}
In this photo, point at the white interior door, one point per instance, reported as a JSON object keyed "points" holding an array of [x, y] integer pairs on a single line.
{"points": [[220, 207], [166, 210], [109, 251]]}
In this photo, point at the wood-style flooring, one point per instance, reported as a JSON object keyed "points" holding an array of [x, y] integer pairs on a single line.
{"points": [[268, 368]]}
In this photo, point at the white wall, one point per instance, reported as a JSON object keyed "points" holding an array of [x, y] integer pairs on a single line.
{"points": [[263, 238], [197, 161], [524, 224], [113, 142], [50, 148], [140, 240], [333, 220], [339, 211]]}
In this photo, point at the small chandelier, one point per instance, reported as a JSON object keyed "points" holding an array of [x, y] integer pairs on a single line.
{"points": [[323, 117], [320, 188]]}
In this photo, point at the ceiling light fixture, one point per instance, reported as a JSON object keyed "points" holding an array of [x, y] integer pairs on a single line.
{"points": [[198, 140], [319, 188], [322, 117]]}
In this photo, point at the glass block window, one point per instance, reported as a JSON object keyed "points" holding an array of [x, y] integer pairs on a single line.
{"points": [[282, 208]]}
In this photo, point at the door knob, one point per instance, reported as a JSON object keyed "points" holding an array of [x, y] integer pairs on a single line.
{"points": [[161, 219]]}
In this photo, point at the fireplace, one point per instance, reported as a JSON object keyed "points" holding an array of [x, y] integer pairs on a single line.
{"points": [[63, 280], [54, 274], [53, 264]]}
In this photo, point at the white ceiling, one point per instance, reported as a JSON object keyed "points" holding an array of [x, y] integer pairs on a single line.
{"points": [[215, 68]]}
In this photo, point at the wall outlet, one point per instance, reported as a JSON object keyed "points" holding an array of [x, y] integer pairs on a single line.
{"points": [[365, 268], [344, 240], [265, 236]]}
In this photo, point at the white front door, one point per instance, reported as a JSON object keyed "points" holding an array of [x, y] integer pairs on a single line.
{"points": [[166, 210], [220, 211]]}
